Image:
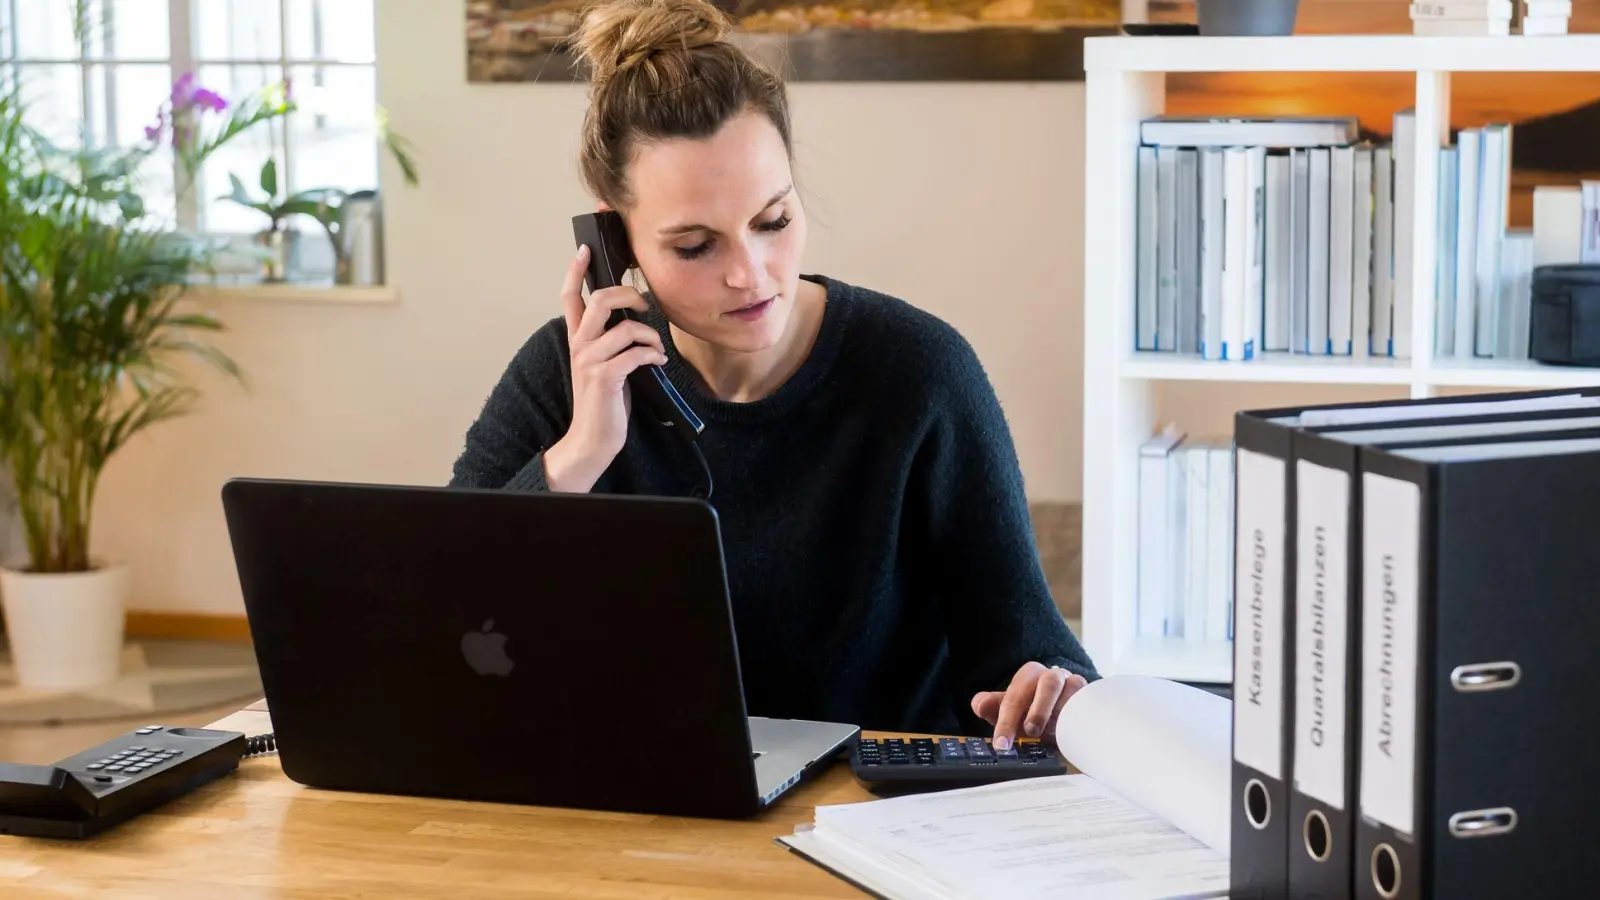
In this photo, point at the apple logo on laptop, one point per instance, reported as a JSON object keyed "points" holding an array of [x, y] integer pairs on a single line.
{"points": [[486, 651]]}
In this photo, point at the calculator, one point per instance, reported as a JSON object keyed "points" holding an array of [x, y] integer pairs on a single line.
{"points": [[919, 764]]}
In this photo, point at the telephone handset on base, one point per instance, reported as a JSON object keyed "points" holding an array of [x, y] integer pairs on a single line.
{"points": [[117, 780], [610, 256]]}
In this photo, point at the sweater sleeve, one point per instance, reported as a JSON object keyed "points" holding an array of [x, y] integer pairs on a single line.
{"points": [[995, 600], [527, 411]]}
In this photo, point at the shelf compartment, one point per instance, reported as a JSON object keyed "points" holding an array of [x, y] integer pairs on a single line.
{"points": [[1343, 53], [1126, 83], [1510, 373], [1272, 367]]}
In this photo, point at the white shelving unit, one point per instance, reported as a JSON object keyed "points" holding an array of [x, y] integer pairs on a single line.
{"points": [[1125, 84]]}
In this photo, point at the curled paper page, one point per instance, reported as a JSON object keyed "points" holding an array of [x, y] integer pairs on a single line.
{"points": [[1161, 745]]}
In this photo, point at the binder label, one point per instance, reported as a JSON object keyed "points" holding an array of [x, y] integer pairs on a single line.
{"points": [[1322, 500], [1391, 529], [1258, 613]]}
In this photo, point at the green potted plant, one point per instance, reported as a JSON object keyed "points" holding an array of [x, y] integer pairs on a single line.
{"points": [[93, 334], [329, 206], [277, 241]]}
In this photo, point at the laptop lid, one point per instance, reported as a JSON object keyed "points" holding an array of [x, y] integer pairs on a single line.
{"points": [[555, 649]]}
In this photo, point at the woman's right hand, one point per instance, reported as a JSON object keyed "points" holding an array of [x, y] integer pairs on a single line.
{"points": [[601, 361]]}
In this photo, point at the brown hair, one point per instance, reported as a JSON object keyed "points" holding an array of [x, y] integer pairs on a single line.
{"points": [[662, 69]]}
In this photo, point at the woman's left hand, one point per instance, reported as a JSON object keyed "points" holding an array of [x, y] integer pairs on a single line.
{"points": [[1031, 703]]}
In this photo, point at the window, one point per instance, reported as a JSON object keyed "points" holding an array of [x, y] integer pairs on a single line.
{"points": [[104, 83]]}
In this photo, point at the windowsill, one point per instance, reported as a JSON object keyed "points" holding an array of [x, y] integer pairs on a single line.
{"points": [[294, 292]]}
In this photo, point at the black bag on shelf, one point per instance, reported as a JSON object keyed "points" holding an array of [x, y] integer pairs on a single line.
{"points": [[1564, 322]]}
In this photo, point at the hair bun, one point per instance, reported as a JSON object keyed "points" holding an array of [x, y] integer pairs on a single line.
{"points": [[618, 35]]}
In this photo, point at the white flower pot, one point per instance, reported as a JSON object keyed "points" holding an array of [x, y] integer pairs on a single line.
{"points": [[65, 630]]}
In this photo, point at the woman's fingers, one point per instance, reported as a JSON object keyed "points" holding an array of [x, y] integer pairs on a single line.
{"points": [[618, 367], [1019, 696], [986, 705], [1072, 684], [1031, 704], [1046, 694], [612, 342], [572, 291], [601, 304]]}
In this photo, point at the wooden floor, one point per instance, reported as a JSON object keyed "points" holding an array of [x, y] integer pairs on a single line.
{"points": [[1476, 98], [45, 744]]}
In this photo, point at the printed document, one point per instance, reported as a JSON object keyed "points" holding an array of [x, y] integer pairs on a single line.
{"points": [[1080, 836]]}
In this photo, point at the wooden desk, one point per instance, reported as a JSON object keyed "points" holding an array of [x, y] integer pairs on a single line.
{"points": [[257, 834]]}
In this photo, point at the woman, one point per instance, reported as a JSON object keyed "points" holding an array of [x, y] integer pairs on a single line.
{"points": [[880, 556]]}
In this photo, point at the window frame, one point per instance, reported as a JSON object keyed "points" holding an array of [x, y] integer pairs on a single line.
{"points": [[182, 56]]}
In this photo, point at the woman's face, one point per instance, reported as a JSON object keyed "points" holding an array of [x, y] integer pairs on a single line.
{"points": [[718, 231]]}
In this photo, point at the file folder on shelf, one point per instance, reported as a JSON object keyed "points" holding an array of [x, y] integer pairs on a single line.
{"points": [[1265, 621], [1480, 569]]}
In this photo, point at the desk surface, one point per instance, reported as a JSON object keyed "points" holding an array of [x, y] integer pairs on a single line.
{"points": [[259, 835]]}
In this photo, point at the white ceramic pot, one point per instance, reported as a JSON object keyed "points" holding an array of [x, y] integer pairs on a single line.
{"points": [[65, 630]]}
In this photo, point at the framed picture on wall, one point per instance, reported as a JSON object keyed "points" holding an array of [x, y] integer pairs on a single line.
{"points": [[841, 40]]}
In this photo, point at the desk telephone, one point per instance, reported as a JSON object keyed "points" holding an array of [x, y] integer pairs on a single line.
{"points": [[610, 257], [105, 785]]}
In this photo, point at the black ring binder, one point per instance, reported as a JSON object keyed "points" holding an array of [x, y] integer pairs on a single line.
{"points": [[1422, 664]]}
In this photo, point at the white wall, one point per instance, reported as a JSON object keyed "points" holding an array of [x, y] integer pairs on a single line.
{"points": [[962, 198]]}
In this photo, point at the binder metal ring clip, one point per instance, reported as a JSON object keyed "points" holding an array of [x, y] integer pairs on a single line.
{"points": [[1483, 822], [1485, 676]]}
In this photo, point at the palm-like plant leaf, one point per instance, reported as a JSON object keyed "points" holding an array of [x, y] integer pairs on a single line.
{"points": [[400, 147], [251, 111], [90, 329]]}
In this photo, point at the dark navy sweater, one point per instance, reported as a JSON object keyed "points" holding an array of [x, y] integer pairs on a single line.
{"points": [[881, 561]]}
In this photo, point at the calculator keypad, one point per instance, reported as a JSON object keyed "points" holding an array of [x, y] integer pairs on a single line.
{"points": [[955, 751]]}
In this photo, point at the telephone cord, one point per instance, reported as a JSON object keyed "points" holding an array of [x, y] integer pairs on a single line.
{"points": [[704, 467]]}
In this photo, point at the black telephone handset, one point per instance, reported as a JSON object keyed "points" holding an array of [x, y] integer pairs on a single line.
{"points": [[610, 256], [117, 780]]}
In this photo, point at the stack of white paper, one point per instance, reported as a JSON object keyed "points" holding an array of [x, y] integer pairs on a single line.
{"points": [[1544, 17], [1461, 17], [1589, 225], [1082, 836]]}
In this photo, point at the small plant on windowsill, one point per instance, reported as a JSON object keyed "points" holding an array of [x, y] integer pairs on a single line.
{"points": [[334, 208], [277, 243], [184, 121]]}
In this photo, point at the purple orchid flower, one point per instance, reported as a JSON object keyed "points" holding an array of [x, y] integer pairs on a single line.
{"points": [[156, 131], [188, 100], [209, 100], [187, 95], [183, 89]]}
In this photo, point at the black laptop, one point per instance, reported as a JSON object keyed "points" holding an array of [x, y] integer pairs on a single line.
{"points": [[538, 648]]}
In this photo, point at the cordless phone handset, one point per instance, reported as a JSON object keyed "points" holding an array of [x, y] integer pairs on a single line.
{"points": [[610, 257]]}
